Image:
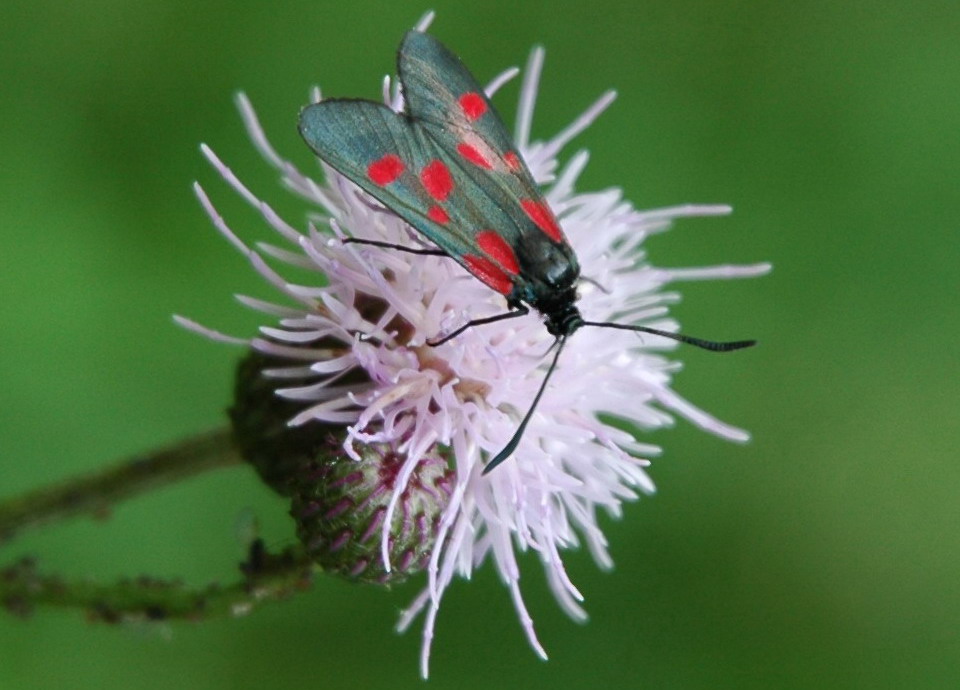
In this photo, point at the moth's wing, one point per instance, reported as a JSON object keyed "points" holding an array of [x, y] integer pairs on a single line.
{"points": [[447, 101], [378, 150], [439, 90], [392, 158]]}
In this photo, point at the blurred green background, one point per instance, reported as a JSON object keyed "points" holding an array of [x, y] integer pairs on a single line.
{"points": [[823, 554]]}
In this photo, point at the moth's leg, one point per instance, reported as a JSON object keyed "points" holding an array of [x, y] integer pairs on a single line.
{"points": [[596, 284], [519, 310], [398, 247]]}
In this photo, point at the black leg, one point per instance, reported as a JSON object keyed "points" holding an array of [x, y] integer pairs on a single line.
{"points": [[519, 311], [398, 247], [595, 284]]}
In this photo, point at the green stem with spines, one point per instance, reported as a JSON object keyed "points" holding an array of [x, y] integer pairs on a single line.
{"points": [[265, 577], [96, 493]]}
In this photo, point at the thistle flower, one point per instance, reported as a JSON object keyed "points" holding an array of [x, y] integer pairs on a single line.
{"points": [[467, 395]]}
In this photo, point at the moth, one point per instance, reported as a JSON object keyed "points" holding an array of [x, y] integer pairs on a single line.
{"points": [[447, 166]]}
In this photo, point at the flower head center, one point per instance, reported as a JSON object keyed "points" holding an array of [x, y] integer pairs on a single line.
{"points": [[467, 389]]}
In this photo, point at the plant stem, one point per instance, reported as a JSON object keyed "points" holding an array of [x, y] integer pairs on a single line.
{"points": [[98, 492], [266, 578]]}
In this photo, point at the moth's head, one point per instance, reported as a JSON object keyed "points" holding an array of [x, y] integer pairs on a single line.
{"points": [[560, 311]]}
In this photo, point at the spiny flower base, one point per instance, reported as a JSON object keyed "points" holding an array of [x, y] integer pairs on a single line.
{"points": [[340, 505]]}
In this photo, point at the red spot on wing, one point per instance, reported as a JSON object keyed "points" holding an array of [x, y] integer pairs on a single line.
{"points": [[489, 273], [497, 249], [540, 213], [438, 215], [512, 161], [385, 170], [473, 105], [436, 180], [472, 155]]}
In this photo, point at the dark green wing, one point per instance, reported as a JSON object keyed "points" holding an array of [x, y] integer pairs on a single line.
{"points": [[383, 154], [452, 107], [447, 167]]}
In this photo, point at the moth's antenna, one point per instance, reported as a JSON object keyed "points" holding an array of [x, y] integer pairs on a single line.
{"points": [[711, 345], [512, 445]]}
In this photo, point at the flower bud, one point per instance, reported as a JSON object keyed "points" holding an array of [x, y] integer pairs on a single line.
{"points": [[340, 505]]}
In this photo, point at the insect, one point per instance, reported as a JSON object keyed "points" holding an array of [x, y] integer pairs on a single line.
{"points": [[448, 167]]}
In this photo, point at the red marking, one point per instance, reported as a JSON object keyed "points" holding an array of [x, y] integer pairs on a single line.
{"points": [[474, 156], [512, 161], [473, 105], [438, 215], [540, 213], [497, 249], [489, 273], [385, 170], [436, 180]]}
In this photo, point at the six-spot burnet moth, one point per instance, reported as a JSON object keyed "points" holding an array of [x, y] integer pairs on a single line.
{"points": [[448, 168]]}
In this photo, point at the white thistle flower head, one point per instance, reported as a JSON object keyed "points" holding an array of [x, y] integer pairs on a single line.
{"points": [[468, 394]]}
